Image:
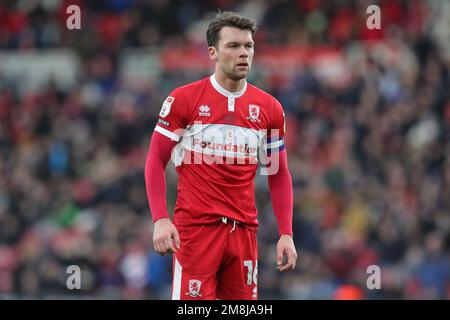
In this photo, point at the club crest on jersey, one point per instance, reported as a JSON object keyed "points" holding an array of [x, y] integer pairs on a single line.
{"points": [[166, 107], [253, 111], [194, 288], [203, 111]]}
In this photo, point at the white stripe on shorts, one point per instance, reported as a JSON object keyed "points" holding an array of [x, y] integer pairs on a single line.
{"points": [[177, 280]]}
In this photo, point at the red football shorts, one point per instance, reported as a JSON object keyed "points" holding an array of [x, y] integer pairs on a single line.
{"points": [[216, 261]]}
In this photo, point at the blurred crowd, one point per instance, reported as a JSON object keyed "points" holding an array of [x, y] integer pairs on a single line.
{"points": [[369, 155]]}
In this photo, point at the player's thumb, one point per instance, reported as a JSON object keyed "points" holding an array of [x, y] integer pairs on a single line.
{"points": [[176, 238]]}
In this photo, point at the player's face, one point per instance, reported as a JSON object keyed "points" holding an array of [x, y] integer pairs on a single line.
{"points": [[234, 52]]}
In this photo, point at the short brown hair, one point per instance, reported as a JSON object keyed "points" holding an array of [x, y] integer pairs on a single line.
{"points": [[228, 19]]}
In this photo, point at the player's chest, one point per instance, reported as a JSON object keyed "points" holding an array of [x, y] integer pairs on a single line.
{"points": [[240, 112]]}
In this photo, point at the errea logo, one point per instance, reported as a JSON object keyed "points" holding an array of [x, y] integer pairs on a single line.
{"points": [[203, 111]]}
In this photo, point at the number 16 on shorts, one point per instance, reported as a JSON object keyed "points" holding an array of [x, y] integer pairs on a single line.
{"points": [[252, 275]]}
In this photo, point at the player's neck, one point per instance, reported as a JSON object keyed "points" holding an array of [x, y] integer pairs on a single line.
{"points": [[229, 84]]}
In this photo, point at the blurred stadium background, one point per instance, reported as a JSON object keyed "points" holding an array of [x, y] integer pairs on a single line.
{"points": [[368, 138]]}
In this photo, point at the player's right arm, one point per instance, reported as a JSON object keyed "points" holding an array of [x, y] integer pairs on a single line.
{"points": [[166, 135]]}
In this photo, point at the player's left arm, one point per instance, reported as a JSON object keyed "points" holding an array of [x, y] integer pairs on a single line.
{"points": [[281, 192]]}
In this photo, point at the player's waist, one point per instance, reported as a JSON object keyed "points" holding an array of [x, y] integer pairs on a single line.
{"points": [[182, 217]]}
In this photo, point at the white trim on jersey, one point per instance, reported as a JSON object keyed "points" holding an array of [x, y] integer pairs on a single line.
{"points": [[224, 91], [177, 280], [167, 133]]}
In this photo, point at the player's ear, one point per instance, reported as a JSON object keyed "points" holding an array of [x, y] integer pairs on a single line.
{"points": [[212, 51]]}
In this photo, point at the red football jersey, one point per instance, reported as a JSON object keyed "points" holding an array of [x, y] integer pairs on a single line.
{"points": [[222, 137]]}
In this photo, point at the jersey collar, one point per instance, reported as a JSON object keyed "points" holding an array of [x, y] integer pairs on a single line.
{"points": [[224, 91]]}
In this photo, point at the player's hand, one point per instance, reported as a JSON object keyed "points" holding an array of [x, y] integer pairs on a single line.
{"points": [[286, 247], [165, 237]]}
